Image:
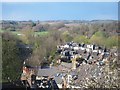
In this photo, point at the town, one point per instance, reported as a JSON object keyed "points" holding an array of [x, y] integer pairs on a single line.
{"points": [[60, 54], [78, 65]]}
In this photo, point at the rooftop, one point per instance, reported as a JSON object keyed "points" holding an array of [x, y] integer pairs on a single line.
{"points": [[47, 71]]}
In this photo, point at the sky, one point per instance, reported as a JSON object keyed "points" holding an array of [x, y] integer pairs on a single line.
{"points": [[60, 0], [59, 11]]}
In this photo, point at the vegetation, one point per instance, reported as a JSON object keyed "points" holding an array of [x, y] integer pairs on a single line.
{"points": [[11, 63], [81, 39], [45, 37]]}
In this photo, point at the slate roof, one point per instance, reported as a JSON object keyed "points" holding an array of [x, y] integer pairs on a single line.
{"points": [[58, 80], [66, 65], [48, 71]]}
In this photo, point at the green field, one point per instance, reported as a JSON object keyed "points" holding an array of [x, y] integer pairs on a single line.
{"points": [[36, 33], [1, 31], [41, 33]]}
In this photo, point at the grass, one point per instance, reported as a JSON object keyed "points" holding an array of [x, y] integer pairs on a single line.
{"points": [[36, 33], [15, 32], [41, 33], [1, 31]]}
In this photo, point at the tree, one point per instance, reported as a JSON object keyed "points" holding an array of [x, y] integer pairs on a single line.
{"points": [[67, 37], [81, 39], [11, 63], [38, 28], [46, 26], [27, 35], [98, 38], [112, 41]]}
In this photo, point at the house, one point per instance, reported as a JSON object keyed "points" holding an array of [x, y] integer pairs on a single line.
{"points": [[89, 52]]}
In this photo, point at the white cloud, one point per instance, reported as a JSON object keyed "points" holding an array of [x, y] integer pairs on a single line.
{"points": [[60, 0]]}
